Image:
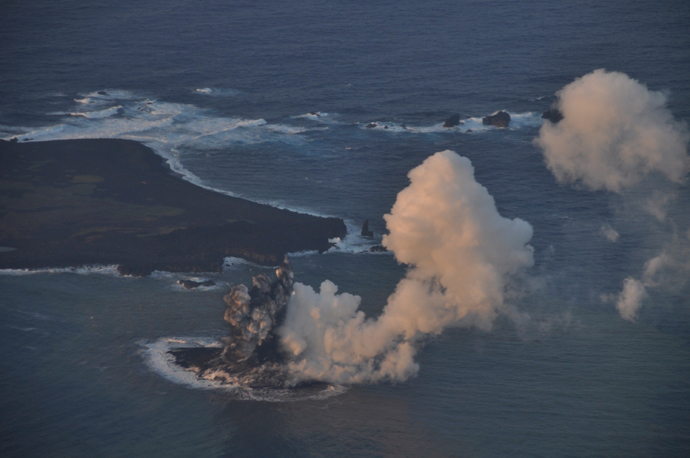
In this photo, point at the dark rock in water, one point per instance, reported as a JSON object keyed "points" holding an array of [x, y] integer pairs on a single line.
{"points": [[365, 229], [14, 139], [191, 284], [452, 121], [552, 114], [121, 204], [469, 130], [209, 364], [102, 93], [250, 355], [371, 125], [197, 359], [378, 249], [500, 119]]}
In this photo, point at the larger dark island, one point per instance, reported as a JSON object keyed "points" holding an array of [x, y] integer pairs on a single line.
{"points": [[82, 202]]}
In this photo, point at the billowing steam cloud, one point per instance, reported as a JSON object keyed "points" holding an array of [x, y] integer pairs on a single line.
{"points": [[614, 131], [461, 255]]}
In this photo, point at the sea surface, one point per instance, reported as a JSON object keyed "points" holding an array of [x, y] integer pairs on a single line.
{"points": [[323, 107]]}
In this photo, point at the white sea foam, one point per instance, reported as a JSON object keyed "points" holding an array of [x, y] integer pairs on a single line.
{"points": [[157, 123], [385, 126], [176, 277], [525, 120], [217, 92], [232, 263], [302, 254], [106, 96], [22, 328], [321, 117], [158, 359], [472, 124], [434, 129], [314, 115], [112, 111], [83, 270], [354, 243], [475, 124], [285, 129], [170, 129]]}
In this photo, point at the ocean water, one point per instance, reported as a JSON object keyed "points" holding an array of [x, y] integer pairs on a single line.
{"points": [[324, 107]]}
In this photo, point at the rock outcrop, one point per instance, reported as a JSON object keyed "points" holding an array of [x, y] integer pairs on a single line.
{"points": [[191, 284], [499, 119], [365, 229], [452, 121], [553, 115]]}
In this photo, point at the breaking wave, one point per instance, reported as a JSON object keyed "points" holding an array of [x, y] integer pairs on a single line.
{"points": [[319, 116], [217, 92], [355, 243]]}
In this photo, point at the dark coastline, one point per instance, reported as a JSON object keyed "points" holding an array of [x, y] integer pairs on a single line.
{"points": [[106, 201]]}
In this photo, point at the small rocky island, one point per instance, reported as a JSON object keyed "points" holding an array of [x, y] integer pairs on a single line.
{"points": [[106, 201]]}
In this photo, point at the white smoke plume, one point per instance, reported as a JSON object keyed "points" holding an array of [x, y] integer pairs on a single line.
{"points": [[670, 269], [630, 299], [609, 232], [461, 254], [656, 204], [614, 131]]}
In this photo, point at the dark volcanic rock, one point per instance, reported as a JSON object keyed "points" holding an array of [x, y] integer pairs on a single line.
{"points": [[377, 249], [365, 229], [499, 119], [553, 115], [251, 354], [254, 314], [191, 284], [452, 121], [84, 202]]}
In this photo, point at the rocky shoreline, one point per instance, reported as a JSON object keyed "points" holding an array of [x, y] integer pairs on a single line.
{"points": [[107, 201]]}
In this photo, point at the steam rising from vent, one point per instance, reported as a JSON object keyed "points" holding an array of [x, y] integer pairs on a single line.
{"points": [[461, 255], [614, 132]]}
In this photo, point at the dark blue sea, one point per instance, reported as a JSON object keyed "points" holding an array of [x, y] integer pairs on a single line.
{"points": [[324, 107]]}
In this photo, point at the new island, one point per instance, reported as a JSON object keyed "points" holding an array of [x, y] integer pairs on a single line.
{"points": [[69, 203]]}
